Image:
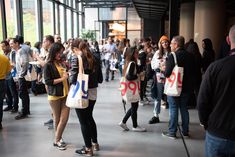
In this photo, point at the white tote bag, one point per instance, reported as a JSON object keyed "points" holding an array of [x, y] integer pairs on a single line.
{"points": [[130, 89], [173, 84], [78, 94]]}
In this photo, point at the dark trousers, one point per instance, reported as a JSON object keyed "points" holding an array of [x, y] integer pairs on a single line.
{"points": [[88, 125], [143, 85], [12, 94], [24, 95], [107, 70], [133, 113], [2, 94]]}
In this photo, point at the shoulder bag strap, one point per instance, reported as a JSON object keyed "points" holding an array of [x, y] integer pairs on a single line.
{"points": [[80, 64], [174, 56], [128, 67]]}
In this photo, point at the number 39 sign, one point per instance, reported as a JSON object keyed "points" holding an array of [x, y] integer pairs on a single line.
{"points": [[130, 90]]}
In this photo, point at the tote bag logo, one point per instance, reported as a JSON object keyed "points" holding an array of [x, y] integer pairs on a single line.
{"points": [[84, 91], [133, 86], [173, 78]]}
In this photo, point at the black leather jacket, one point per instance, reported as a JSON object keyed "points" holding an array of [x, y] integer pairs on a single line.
{"points": [[95, 75], [51, 73]]}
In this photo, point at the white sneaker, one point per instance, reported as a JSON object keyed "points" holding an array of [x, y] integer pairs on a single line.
{"points": [[124, 126], [139, 129]]}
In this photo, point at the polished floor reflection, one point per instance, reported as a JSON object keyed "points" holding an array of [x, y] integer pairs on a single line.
{"points": [[30, 138]]}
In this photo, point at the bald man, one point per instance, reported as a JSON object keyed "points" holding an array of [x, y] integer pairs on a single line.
{"points": [[216, 104]]}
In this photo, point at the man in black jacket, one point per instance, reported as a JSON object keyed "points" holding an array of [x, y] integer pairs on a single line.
{"points": [[216, 104], [185, 60]]}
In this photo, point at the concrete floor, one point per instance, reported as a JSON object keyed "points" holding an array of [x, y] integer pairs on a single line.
{"points": [[29, 138]]}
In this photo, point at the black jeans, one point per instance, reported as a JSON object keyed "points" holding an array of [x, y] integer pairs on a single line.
{"points": [[24, 95], [133, 113], [88, 125], [2, 93], [143, 85], [12, 94]]}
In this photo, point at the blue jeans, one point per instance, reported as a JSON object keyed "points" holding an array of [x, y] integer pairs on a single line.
{"points": [[176, 104], [2, 93], [12, 94], [219, 147], [157, 102]]}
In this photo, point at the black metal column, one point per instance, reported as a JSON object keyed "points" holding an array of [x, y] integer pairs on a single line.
{"points": [[39, 20], [174, 17], [3, 18], [53, 18], [19, 17], [72, 22]]}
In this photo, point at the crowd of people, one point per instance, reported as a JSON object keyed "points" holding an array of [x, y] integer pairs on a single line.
{"points": [[55, 65]]}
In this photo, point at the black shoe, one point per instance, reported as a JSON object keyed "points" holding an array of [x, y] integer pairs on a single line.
{"points": [[185, 135], [107, 80], [49, 122], [7, 108], [171, 136], [59, 146], [0, 126], [21, 116], [14, 110], [154, 120], [85, 151]]}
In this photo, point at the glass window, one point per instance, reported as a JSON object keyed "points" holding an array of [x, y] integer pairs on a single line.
{"points": [[1, 35], [75, 25], [11, 21], [29, 21], [62, 23], [134, 36], [112, 14], [68, 23], [47, 17], [133, 20]]}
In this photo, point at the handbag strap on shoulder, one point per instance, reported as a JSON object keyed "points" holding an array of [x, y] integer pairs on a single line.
{"points": [[80, 64], [174, 56], [128, 68]]}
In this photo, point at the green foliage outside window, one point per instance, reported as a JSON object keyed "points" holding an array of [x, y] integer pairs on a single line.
{"points": [[88, 34]]}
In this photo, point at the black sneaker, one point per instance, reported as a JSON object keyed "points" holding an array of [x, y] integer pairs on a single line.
{"points": [[14, 110], [85, 151], [185, 135], [21, 116], [59, 145], [171, 136], [154, 120], [7, 109], [49, 122]]}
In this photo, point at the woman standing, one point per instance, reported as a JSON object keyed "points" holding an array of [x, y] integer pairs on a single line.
{"points": [[158, 65], [88, 125], [208, 55], [55, 76], [131, 56]]}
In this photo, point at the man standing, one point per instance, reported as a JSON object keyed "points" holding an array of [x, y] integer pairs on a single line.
{"points": [[4, 70], [11, 91], [22, 64], [109, 49], [216, 104], [185, 60]]}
